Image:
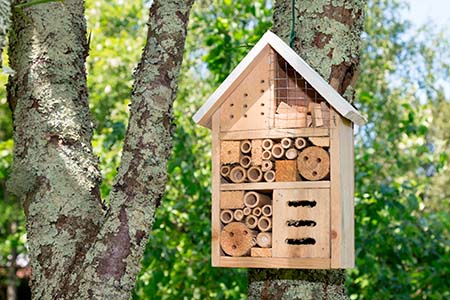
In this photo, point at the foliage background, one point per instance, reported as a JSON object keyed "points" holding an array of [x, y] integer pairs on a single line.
{"points": [[402, 170]]}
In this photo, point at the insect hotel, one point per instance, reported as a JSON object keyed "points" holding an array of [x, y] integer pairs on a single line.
{"points": [[282, 164]]}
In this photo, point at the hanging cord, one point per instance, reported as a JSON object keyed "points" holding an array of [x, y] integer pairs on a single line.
{"points": [[292, 36]]}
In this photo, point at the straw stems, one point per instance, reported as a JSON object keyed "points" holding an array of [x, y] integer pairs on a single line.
{"points": [[226, 216], [254, 174]]}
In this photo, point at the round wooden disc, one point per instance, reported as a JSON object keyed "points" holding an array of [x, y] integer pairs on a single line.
{"points": [[313, 163], [237, 239]]}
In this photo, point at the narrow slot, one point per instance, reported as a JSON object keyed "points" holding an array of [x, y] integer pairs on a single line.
{"points": [[303, 203], [303, 241], [301, 223]]}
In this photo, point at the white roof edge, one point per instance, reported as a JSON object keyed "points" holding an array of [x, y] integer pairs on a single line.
{"points": [[310, 75]]}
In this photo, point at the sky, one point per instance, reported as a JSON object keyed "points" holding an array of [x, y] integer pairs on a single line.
{"points": [[422, 11]]}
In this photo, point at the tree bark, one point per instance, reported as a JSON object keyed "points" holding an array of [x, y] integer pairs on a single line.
{"points": [[5, 13], [79, 250], [328, 38]]}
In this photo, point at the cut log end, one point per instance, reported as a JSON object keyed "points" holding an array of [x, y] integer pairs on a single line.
{"points": [[314, 163], [237, 239], [264, 239]]}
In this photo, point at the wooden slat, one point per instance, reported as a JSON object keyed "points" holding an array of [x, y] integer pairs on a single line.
{"points": [[274, 262], [342, 193], [215, 169], [275, 185], [274, 133]]}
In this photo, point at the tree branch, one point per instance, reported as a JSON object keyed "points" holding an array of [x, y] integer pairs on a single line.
{"points": [[113, 263]]}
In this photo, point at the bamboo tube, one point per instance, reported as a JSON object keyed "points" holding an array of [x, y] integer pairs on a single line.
{"points": [[264, 239], [238, 174], [254, 174], [286, 143], [236, 239], [266, 155], [245, 161], [225, 171], [254, 199], [246, 146], [251, 221], [226, 216], [269, 176], [247, 211], [267, 144], [277, 151], [238, 215], [266, 165], [256, 212], [264, 224], [291, 153], [267, 210], [300, 143]]}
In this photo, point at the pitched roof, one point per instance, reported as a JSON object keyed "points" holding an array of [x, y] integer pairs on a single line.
{"points": [[203, 115]]}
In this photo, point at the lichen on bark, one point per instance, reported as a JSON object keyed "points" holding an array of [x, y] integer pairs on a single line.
{"points": [[55, 173], [328, 38], [5, 14]]}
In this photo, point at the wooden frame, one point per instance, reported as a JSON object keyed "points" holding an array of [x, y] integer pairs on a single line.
{"points": [[281, 197]]}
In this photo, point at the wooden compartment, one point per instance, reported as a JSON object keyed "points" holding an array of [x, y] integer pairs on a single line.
{"points": [[301, 226]]}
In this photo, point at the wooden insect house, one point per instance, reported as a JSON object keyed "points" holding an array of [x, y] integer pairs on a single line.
{"points": [[282, 164]]}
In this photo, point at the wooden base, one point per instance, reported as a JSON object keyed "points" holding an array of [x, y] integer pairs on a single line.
{"points": [[273, 262]]}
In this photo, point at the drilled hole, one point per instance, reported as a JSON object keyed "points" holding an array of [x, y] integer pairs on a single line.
{"points": [[262, 114], [262, 104], [314, 173], [234, 246], [262, 81], [245, 94], [245, 105], [305, 158], [245, 232], [245, 116], [232, 104], [303, 203], [319, 160], [231, 234], [301, 223], [304, 241], [262, 91], [231, 116]]}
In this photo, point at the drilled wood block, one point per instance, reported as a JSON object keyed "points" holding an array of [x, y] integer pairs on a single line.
{"points": [[301, 223], [231, 200], [236, 239], [230, 152], [286, 170], [261, 252], [314, 163]]}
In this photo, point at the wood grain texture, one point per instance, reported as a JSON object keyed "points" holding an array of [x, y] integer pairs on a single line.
{"points": [[265, 186], [275, 262]]}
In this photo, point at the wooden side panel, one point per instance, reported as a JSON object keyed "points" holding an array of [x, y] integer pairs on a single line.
{"points": [[342, 193], [309, 209], [215, 209], [249, 104]]}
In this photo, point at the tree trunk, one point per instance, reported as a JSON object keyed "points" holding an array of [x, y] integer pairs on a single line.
{"points": [[5, 13], [328, 38], [79, 250]]}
